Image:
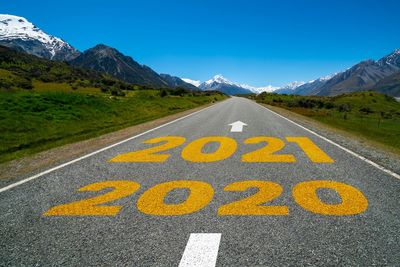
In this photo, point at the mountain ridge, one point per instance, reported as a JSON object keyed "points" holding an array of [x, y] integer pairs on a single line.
{"points": [[18, 33], [362, 76], [106, 59]]}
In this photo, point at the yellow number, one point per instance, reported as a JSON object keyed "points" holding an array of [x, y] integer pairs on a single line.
{"points": [[312, 151], [90, 206], [152, 201], [267, 191], [353, 201], [148, 155], [193, 151], [266, 153]]}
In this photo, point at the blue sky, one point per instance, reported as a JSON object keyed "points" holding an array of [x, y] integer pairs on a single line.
{"points": [[250, 41]]}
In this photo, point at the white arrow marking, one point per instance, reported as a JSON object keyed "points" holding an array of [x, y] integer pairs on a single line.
{"points": [[237, 126], [201, 250]]}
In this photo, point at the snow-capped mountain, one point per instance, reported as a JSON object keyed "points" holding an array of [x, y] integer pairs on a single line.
{"points": [[18, 33], [259, 90], [220, 83], [215, 81], [193, 82], [308, 87], [289, 88]]}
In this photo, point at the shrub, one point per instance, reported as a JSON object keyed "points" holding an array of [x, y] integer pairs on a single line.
{"points": [[329, 105], [5, 84], [344, 108], [365, 109], [117, 92], [163, 93], [104, 89]]}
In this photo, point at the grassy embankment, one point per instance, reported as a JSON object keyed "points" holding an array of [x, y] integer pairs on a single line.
{"points": [[368, 114], [44, 104], [34, 121]]}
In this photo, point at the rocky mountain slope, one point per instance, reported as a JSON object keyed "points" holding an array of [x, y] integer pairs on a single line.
{"points": [[106, 59], [310, 86], [389, 85], [176, 82], [362, 76]]}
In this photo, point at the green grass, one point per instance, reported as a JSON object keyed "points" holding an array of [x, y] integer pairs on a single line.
{"points": [[368, 114], [32, 121]]}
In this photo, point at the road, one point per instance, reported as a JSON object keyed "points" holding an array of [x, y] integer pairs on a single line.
{"points": [[323, 205]]}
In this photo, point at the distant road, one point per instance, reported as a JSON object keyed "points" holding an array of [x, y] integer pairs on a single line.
{"points": [[167, 206]]}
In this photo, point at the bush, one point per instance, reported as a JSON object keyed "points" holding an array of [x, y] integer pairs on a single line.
{"points": [[329, 105], [179, 92], [163, 93], [367, 110], [5, 84], [344, 108], [104, 89], [24, 83], [108, 82], [117, 92]]}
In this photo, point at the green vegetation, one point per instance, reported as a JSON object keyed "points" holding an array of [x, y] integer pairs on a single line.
{"points": [[34, 121], [23, 71], [44, 104], [368, 114]]}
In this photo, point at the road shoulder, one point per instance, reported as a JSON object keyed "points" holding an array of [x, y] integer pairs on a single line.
{"points": [[371, 150]]}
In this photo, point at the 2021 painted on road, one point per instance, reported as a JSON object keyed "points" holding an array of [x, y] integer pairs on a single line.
{"points": [[227, 147]]}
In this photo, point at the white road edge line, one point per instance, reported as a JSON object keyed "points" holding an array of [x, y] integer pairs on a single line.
{"points": [[201, 250], [376, 165], [8, 187]]}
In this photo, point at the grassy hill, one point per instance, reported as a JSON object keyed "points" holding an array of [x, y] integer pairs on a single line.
{"points": [[368, 114], [44, 104]]}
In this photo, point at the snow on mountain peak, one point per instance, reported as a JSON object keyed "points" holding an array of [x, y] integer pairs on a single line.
{"points": [[193, 82], [219, 79], [15, 27], [293, 85], [259, 90]]}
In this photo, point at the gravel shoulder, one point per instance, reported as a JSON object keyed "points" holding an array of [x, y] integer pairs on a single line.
{"points": [[379, 153], [27, 166]]}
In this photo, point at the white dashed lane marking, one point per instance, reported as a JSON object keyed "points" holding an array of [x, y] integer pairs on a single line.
{"points": [[201, 250]]}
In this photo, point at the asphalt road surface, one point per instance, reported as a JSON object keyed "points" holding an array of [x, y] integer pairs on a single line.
{"points": [[310, 202]]}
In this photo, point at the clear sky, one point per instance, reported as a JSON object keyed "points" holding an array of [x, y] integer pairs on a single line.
{"points": [[249, 41]]}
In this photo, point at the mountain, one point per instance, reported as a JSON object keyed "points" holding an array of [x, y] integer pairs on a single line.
{"points": [[175, 82], [193, 82], [259, 90], [219, 83], [389, 85], [20, 70], [310, 86], [20, 34], [106, 59], [289, 88], [362, 76]]}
